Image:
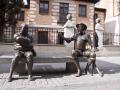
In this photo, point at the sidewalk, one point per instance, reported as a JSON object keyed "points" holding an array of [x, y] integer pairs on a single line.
{"points": [[61, 81]]}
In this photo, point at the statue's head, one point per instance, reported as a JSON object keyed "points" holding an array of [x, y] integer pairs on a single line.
{"points": [[69, 17], [24, 29], [81, 28]]}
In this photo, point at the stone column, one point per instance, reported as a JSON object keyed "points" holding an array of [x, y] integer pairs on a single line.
{"points": [[99, 30], [68, 33]]}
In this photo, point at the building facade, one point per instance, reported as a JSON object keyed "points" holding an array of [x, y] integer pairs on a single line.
{"points": [[47, 18], [112, 7], [112, 21], [53, 12]]}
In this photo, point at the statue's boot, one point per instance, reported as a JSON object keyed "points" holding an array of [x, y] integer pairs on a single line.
{"points": [[78, 74], [78, 69], [30, 65], [13, 66], [76, 61], [10, 79]]}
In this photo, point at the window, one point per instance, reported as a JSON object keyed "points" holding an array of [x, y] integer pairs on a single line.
{"points": [[44, 7], [82, 10], [60, 39], [23, 3], [64, 8], [43, 37], [118, 4], [20, 16], [96, 16]]}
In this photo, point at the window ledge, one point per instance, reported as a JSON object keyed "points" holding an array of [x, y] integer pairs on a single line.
{"points": [[61, 22]]}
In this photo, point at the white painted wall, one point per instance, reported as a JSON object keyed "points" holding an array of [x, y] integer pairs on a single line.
{"points": [[113, 26]]}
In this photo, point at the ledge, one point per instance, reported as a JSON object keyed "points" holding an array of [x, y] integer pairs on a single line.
{"points": [[111, 45], [6, 59]]}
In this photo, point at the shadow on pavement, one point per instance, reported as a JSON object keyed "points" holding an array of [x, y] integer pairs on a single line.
{"points": [[49, 72], [108, 67], [50, 75]]}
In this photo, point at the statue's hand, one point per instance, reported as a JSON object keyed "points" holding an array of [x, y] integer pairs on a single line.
{"points": [[93, 50], [68, 40], [18, 47], [34, 53], [60, 34]]}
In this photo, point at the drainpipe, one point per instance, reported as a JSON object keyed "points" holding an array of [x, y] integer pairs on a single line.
{"points": [[119, 8], [94, 28], [113, 7]]}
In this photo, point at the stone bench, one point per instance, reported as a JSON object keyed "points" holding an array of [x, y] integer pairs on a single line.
{"points": [[6, 59]]}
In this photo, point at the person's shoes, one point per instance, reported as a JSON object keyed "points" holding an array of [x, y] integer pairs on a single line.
{"points": [[30, 78]]}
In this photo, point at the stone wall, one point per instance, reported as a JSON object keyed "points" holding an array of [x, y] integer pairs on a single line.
{"points": [[90, 13]]}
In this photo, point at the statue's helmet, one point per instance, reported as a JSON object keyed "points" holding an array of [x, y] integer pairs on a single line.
{"points": [[24, 29], [81, 26]]}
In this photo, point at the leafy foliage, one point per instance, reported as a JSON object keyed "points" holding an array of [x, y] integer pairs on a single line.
{"points": [[8, 11]]}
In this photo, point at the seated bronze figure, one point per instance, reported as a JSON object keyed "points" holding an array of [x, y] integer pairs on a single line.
{"points": [[24, 48], [81, 39]]}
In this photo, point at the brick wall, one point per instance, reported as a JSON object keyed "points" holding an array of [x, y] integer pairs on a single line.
{"points": [[90, 13], [101, 15], [34, 18]]}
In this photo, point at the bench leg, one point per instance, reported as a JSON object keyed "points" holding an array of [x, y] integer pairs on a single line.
{"points": [[87, 68], [21, 69], [93, 67], [74, 67], [71, 67]]}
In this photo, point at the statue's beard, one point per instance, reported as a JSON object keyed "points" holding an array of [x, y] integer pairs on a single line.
{"points": [[24, 33], [81, 33]]}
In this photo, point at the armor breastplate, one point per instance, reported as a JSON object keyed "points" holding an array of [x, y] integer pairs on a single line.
{"points": [[81, 42], [23, 43]]}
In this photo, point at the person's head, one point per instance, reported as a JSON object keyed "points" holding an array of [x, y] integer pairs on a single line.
{"points": [[98, 20], [24, 29], [81, 28]]}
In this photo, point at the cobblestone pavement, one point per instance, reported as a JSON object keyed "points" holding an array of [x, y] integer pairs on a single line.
{"points": [[62, 81]]}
